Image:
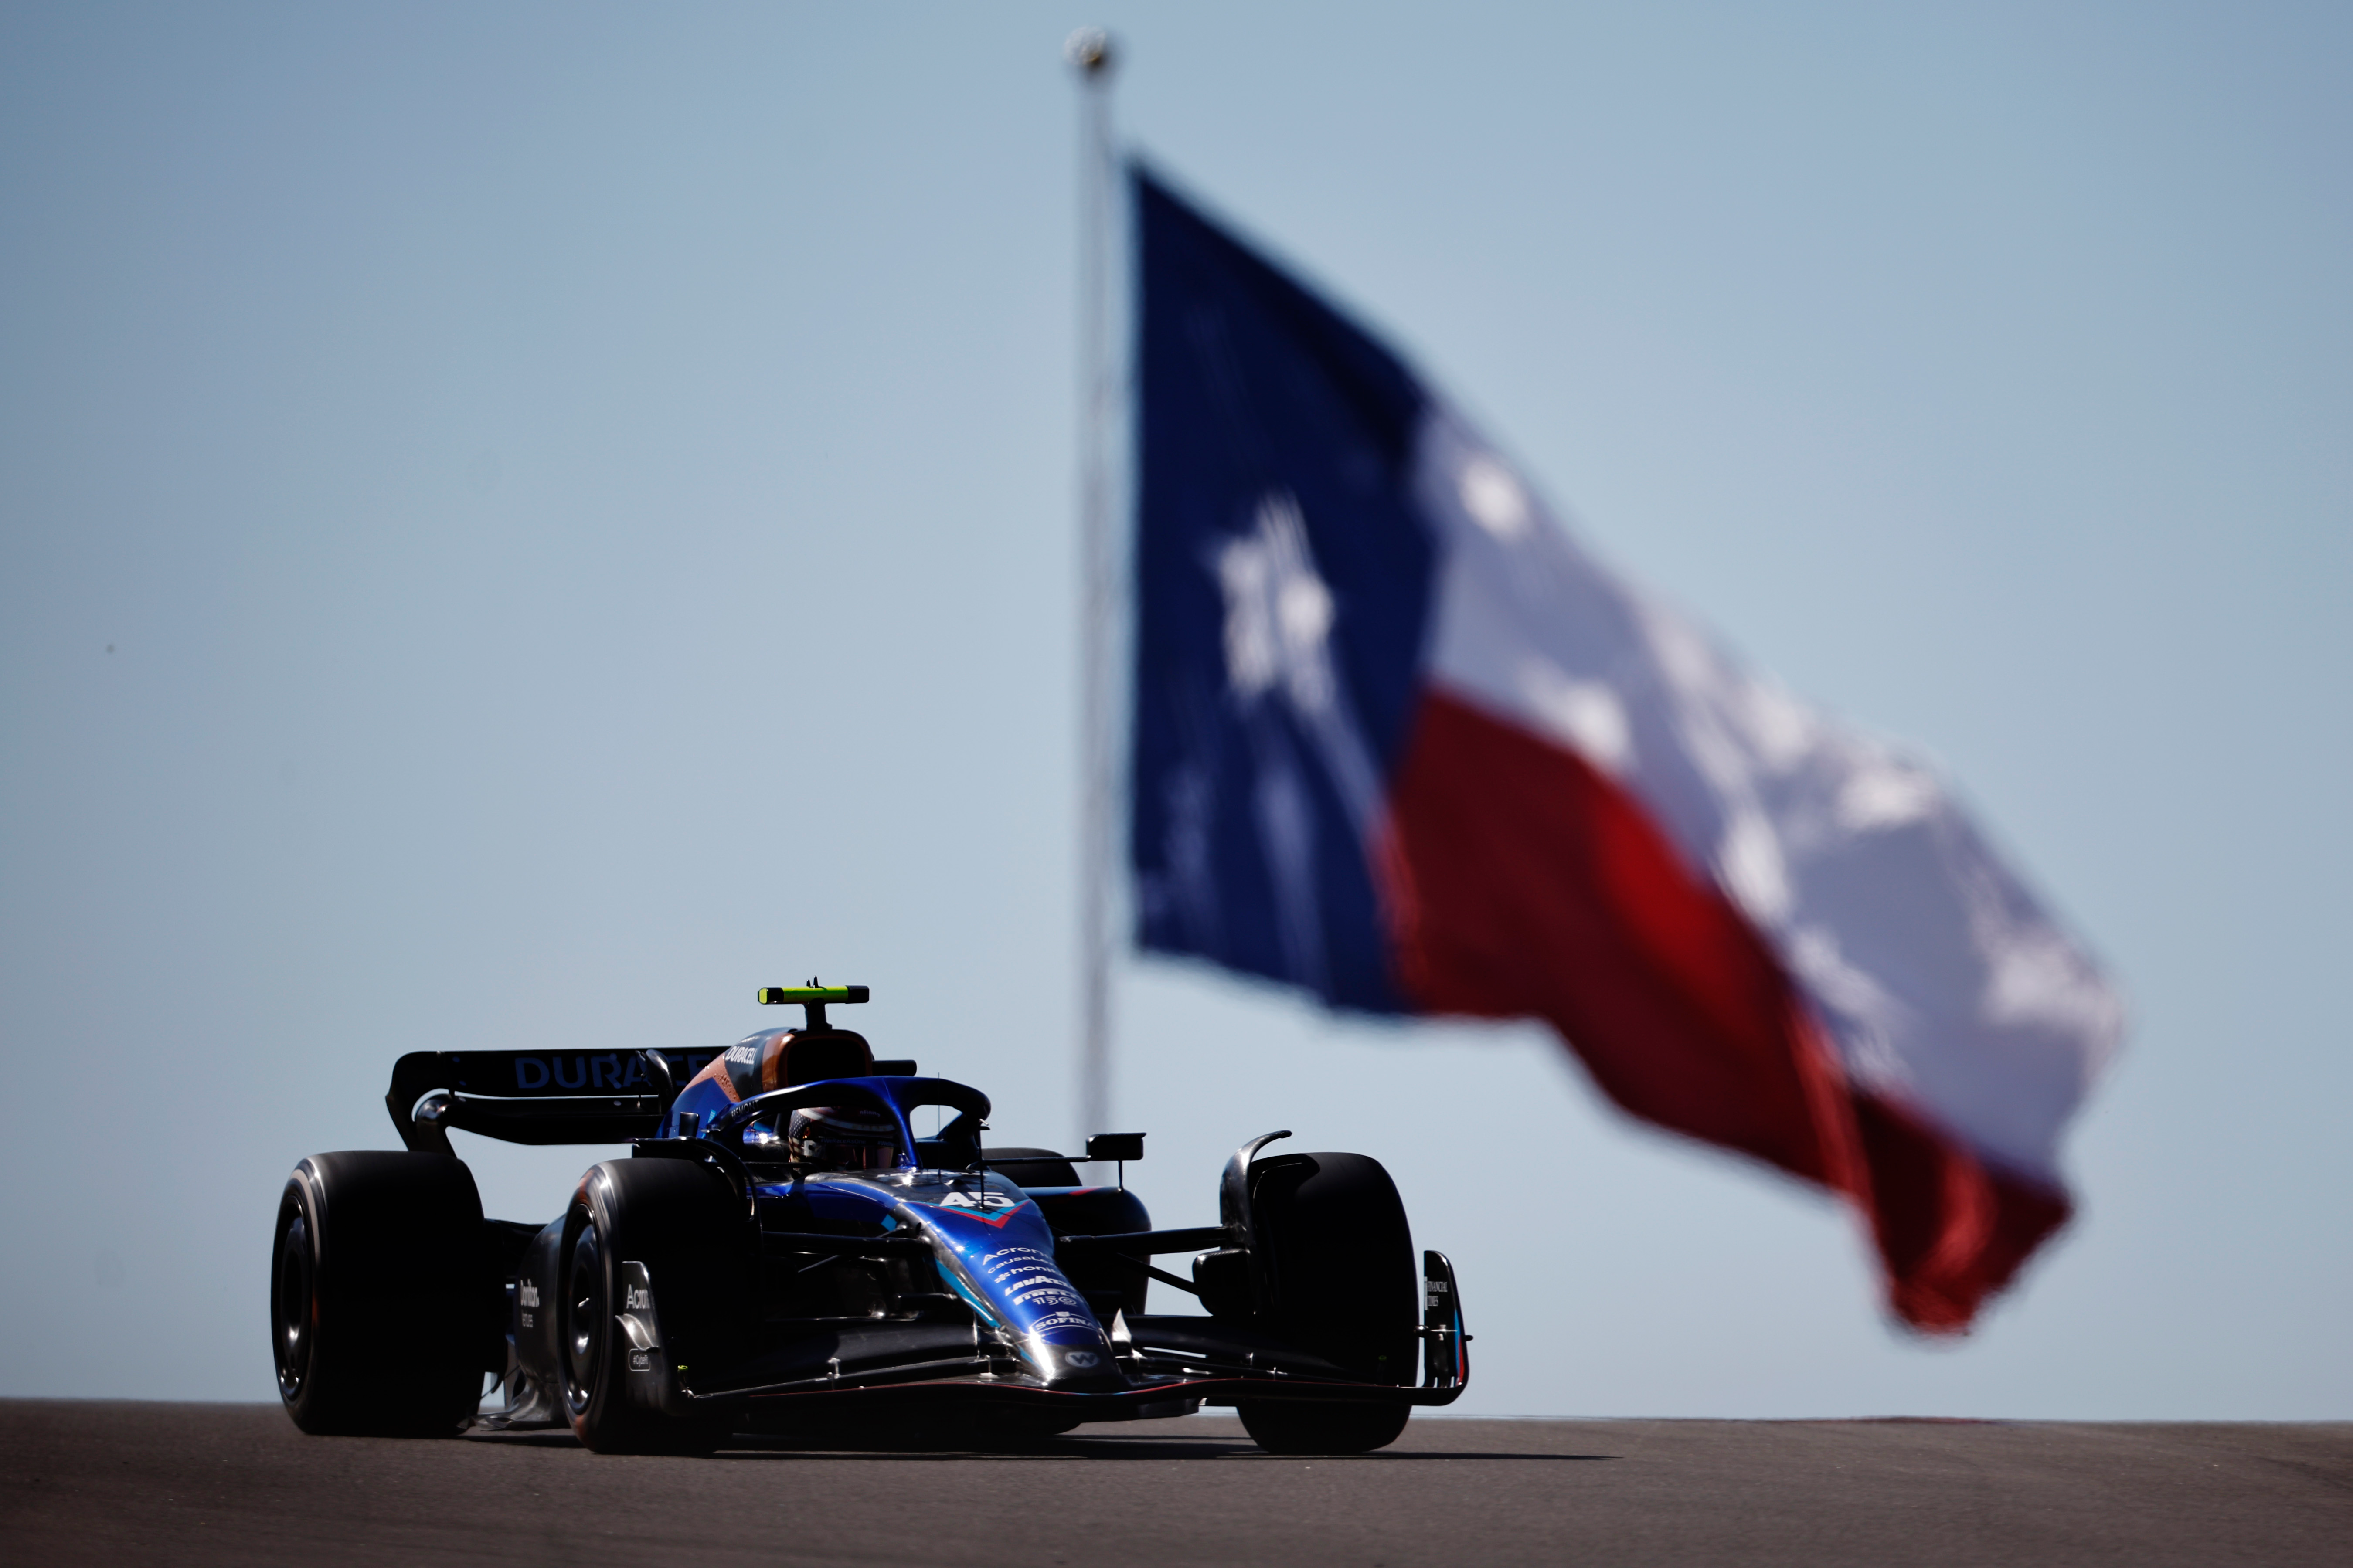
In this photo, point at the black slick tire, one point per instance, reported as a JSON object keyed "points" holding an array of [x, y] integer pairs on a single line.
{"points": [[1281, 1427], [1341, 1284], [377, 1284], [683, 1221]]}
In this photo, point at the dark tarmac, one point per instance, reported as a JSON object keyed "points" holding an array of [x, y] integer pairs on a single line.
{"points": [[90, 1481]]}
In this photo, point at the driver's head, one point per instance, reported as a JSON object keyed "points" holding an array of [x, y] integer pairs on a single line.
{"points": [[842, 1138]]}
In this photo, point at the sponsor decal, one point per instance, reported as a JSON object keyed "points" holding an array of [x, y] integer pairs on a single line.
{"points": [[1008, 1259], [1081, 1358], [978, 1201], [992, 1209], [526, 1320], [529, 1294], [1052, 1322], [1022, 1275], [1025, 1277], [744, 1055], [609, 1069], [641, 1361], [638, 1299], [1055, 1295]]}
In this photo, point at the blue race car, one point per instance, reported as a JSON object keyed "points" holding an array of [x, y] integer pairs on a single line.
{"points": [[787, 1251]]}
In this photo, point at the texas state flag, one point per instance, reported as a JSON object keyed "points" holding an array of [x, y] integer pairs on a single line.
{"points": [[1399, 741]]}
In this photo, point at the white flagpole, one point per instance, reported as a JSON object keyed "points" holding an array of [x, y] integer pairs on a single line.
{"points": [[1088, 51]]}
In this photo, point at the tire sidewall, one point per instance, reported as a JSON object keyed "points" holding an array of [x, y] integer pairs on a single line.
{"points": [[1284, 1426], [682, 1223], [600, 1412], [1340, 1262], [1343, 1286], [394, 1251], [308, 1402]]}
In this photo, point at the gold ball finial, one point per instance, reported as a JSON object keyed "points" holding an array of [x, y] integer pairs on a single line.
{"points": [[1089, 49]]}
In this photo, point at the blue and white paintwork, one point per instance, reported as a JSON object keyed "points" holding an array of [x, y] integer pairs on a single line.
{"points": [[993, 1246], [995, 1250]]}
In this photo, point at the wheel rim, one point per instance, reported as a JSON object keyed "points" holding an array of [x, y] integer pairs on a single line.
{"points": [[584, 1316], [292, 1305]]}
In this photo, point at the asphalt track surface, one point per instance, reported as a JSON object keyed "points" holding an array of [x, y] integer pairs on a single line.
{"points": [[110, 1482]]}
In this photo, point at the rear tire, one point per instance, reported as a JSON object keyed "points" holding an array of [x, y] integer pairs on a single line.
{"points": [[1332, 1236], [377, 1290]]}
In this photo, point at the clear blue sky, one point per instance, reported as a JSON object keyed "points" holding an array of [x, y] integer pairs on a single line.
{"points": [[519, 524]]}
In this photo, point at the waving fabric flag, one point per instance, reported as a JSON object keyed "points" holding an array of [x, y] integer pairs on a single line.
{"points": [[1401, 742]]}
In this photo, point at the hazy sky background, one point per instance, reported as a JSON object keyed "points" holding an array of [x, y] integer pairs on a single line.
{"points": [[519, 524]]}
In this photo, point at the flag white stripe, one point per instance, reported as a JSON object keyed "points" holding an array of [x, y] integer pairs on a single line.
{"points": [[1942, 983]]}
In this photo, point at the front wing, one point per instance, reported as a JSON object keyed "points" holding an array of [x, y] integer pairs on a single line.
{"points": [[1170, 1366]]}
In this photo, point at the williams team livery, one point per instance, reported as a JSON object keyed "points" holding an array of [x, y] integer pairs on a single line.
{"points": [[807, 1236]]}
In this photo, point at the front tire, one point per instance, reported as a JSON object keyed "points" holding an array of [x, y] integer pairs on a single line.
{"points": [[1281, 1427], [377, 1284], [682, 1221], [1339, 1271]]}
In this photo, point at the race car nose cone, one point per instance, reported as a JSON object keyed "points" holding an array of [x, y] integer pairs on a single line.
{"points": [[1077, 1366]]}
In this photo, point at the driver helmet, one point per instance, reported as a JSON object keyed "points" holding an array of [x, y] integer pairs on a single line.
{"points": [[842, 1138]]}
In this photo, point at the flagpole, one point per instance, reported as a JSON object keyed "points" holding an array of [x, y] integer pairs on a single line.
{"points": [[1088, 51]]}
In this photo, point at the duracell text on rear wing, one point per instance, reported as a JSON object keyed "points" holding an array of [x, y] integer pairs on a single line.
{"points": [[536, 1096]]}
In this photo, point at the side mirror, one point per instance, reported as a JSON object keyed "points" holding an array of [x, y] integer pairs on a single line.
{"points": [[1122, 1146], [1119, 1146]]}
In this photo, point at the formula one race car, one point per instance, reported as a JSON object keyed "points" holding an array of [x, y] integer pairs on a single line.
{"points": [[787, 1251]]}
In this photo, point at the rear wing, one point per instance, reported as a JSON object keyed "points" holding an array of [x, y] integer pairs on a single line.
{"points": [[536, 1096]]}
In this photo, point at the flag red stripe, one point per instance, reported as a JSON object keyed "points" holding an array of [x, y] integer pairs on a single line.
{"points": [[1519, 880], [1951, 1228]]}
